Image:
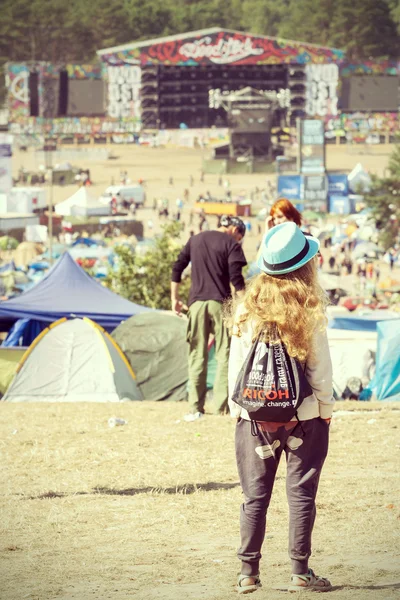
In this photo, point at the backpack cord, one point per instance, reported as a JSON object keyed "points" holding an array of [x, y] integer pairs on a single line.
{"points": [[297, 424], [254, 428]]}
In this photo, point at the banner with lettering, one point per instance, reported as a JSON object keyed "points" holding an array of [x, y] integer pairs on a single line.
{"points": [[311, 133], [315, 193], [338, 184], [221, 48], [290, 186]]}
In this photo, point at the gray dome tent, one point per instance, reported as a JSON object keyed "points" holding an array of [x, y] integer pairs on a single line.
{"points": [[73, 361]]}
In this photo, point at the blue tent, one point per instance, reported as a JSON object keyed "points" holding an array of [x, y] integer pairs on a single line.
{"points": [[68, 291], [386, 383], [8, 267], [366, 322]]}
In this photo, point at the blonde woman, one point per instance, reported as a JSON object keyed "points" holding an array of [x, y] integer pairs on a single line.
{"points": [[284, 302]]}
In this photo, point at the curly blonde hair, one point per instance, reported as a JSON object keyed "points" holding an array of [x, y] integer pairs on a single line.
{"points": [[288, 307]]}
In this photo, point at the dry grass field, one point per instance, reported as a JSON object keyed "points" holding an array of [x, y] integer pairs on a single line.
{"points": [[151, 509]]}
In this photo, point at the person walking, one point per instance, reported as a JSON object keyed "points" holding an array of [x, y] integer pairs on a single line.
{"points": [[284, 306], [216, 260], [392, 257]]}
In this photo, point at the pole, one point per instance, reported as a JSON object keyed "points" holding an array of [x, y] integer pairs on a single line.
{"points": [[50, 219], [48, 150]]}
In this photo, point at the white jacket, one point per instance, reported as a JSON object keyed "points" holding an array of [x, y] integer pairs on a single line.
{"points": [[318, 373]]}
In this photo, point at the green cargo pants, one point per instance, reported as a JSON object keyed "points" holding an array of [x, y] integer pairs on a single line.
{"points": [[205, 318]]}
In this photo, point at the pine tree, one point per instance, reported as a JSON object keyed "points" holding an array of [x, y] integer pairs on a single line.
{"points": [[384, 201]]}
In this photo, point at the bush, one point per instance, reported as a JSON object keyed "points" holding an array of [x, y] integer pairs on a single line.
{"points": [[146, 279], [8, 243]]}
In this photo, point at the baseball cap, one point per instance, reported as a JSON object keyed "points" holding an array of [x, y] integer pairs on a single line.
{"points": [[227, 220]]}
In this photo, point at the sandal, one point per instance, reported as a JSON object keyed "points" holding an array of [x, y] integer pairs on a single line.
{"points": [[310, 581], [247, 589]]}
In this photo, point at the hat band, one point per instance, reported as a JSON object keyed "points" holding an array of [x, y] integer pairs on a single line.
{"points": [[289, 263]]}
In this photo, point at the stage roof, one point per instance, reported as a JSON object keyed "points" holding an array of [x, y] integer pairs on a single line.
{"points": [[218, 46]]}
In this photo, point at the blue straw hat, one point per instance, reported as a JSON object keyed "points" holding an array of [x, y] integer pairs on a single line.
{"points": [[285, 248]]}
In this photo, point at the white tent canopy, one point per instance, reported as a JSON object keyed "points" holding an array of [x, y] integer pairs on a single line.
{"points": [[83, 203]]}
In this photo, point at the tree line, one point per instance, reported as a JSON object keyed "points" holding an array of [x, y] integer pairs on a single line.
{"points": [[59, 31]]}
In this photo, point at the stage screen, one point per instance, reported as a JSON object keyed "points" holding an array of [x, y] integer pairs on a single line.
{"points": [[370, 92], [86, 97]]}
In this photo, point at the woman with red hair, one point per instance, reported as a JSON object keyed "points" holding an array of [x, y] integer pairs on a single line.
{"points": [[282, 211]]}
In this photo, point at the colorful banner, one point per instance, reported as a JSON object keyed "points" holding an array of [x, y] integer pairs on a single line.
{"points": [[384, 67], [361, 125], [223, 48], [311, 146], [85, 71], [76, 126], [17, 81]]}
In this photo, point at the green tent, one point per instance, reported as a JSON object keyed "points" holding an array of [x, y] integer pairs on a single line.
{"points": [[156, 348]]}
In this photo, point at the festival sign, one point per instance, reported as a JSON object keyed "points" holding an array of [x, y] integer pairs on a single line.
{"points": [[220, 47], [322, 83], [124, 84], [338, 184], [17, 81], [290, 186], [315, 193], [311, 134]]}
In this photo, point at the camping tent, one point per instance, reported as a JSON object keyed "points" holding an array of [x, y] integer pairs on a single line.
{"points": [[68, 291], [155, 345], [363, 322], [9, 359], [73, 361], [351, 353], [81, 203], [386, 384]]}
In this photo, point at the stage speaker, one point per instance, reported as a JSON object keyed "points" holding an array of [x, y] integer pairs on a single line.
{"points": [[257, 120], [34, 94], [250, 138], [63, 94]]}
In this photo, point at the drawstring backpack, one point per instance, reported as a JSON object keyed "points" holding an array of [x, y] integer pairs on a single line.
{"points": [[271, 385]]}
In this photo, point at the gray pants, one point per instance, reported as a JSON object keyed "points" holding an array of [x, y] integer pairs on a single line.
{"points": [[257, 456]]}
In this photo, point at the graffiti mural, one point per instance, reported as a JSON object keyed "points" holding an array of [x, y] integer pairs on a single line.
{"points": [[385, 67], [17, 81], [75, 126], [360, 125], [322, 90], [124, 85], [84, 71], [223, 48]]}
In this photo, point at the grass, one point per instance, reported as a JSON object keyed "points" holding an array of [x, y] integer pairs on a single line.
{"points": [[151, 509]]}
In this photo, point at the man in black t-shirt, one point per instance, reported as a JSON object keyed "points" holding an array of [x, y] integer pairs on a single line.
{"points": [[216, 260]]}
